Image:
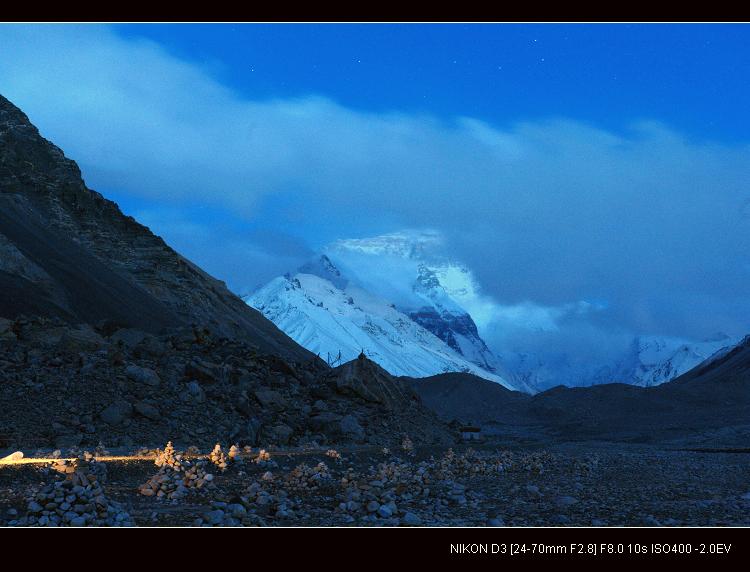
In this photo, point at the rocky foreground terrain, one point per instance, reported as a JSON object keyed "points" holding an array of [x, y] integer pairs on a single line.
{"points": [[303, 444], [64, 386], [572, 485]]}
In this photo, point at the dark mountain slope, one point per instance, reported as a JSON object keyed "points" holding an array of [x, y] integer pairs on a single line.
{"points": [[710, 402], [66, 251], [72, 283], [469, 398]]}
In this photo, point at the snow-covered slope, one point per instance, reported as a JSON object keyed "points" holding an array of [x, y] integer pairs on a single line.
{"points": [[328, 319], [649, 361], [655, 360], [409, 268]]}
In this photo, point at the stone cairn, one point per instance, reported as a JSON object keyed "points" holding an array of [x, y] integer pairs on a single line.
{"points": [[177, 477], [77, 498], [225, 460], [306, 478], [234, 454], [264, 460], [334, 454], [218, 458]]}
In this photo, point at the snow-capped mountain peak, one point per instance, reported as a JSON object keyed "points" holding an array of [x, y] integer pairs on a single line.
{"points": [[339, 323], [656, 360], [410, 268]]}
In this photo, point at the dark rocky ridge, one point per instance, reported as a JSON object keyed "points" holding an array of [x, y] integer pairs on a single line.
{"points": [[709, 405], [67, 251], [468, 398], [66, 386]]}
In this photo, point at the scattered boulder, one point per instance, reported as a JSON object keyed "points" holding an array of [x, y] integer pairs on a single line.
{"points": [[81, 339], [279, 434], [247, 433], [565, 501], [150, 346], [128, 337], [201, 372], [327, 422], [142, 375], [411, 519], [242, 404], [270, 398], [193, 391], [117, 412], [351, 428], [367, 380], [68, 441], [147, 410]]}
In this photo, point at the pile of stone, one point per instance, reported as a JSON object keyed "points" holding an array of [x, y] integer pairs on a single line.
{"points": [[229, 514], [177, 477], [167, 457], [218, 458], [306, 478], [470, 464], [264, 460], [234, 454], [334, 454], [267, 499], [76, 499], [536, 462], [377, 496]]}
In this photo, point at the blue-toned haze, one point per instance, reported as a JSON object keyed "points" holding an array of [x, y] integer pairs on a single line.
{"points": [[597, 167]]}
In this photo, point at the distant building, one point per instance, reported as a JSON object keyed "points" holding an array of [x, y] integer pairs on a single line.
{"points": [[471, 433]]}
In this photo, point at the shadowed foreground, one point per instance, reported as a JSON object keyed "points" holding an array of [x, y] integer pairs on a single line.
{"points": [[572, 484]]}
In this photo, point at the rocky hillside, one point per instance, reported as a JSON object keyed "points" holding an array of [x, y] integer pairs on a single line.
{"points": [[65, 386], [68, 252], [468, 398], [107, 334], [709, 406]]}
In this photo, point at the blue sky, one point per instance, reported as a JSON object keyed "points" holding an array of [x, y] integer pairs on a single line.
{"points": [[693, 77], [563, 163]]}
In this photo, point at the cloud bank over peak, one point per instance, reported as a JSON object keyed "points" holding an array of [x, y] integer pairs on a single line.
{"points": [[547, 212]]}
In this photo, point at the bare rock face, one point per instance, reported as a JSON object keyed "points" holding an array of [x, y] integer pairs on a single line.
{"points": [[67, 252], [367, 380]]}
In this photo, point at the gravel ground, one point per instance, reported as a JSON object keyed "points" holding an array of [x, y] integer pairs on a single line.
{"points": [[596, 484]]}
